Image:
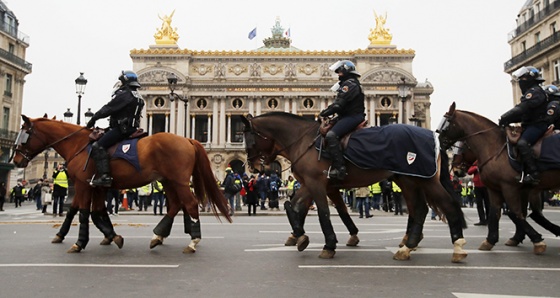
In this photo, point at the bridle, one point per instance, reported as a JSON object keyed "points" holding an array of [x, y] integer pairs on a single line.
{"points": [[446, 124], [25, 135], [268, 157]]}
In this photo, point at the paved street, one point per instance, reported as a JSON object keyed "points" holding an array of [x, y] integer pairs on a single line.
{"points": [[248, 259]]}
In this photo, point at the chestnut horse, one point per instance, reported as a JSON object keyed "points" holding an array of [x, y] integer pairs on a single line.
{"points": [[165, 157], [464, 158], [488, 143], [293, 137]]}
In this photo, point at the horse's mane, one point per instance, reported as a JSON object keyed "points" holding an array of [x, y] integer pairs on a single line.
{"points": [[478, 117], [284, 114]]}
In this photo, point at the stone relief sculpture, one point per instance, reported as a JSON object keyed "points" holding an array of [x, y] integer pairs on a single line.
{"points": [[219, 70]]}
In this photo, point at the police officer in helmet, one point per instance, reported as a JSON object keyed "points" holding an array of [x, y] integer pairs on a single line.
{"points": [[124, 110], [553, 108], [531, 112], [349, 105]]}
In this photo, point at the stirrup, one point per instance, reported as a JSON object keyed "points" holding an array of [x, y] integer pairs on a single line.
{"points": [[103, 181], [334, 173], [529, 179]]}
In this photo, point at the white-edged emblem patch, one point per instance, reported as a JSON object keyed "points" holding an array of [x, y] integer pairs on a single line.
{"points": [[125, 148], [410, 157]]}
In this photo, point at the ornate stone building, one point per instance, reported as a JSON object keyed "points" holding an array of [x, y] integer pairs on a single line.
{"points": [[536, 42], [220, 85], [13, 69]]}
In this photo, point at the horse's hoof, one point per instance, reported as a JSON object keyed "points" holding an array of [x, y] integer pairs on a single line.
{"points": [[539, 248], [57, 239], [189, 250], [486, 246], [353, 240], [155, 242], [302, 242], [327, 254], [291, 241], [402, 254], [105, 241], [119, 241], [512, 242], [458, 253], [74, 249]]}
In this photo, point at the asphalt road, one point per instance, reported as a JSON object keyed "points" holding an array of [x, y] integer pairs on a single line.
{"points": [[248, 259]]}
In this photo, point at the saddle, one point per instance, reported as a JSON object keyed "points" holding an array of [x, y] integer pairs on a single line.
{"points": [[513, 134], [97, 133], [328, 123]]}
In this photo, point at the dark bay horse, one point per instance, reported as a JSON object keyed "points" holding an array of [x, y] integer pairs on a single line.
{"points": [[293, 137], [464, 158], [488, 143], [165, 157]]}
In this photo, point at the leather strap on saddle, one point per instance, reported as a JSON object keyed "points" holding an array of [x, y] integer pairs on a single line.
{"points": [[514, 133], [328, 123]]}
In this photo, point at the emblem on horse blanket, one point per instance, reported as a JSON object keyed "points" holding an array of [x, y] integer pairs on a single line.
{"points": [[126, 150], [402, 149]]}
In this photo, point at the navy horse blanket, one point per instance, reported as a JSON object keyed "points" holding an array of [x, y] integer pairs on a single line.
{"points": [[402, 149], [549, 158]]}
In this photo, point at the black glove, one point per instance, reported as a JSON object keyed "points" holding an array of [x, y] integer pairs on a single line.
{"points": [[501, 122], [91, 123]]}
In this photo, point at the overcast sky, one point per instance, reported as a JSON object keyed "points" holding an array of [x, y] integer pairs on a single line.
{"points": [[461, 46]]}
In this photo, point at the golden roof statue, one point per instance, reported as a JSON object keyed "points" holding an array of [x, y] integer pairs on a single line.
{"points": [[379, 35], [166, 35]]}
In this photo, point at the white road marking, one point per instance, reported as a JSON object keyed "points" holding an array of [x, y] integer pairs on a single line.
{"points": [[424, 267], [479, 295], [90, 265]]}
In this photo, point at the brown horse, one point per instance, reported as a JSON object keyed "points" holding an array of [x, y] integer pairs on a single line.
{"points": [[464, 158], [164, 157], [293, 137], [488, 143]]}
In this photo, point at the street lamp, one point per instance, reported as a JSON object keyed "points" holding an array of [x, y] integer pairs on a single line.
{"points": [[80, 88], [68, 116], [88, 115], [403, 94], [414, 121], [172, 84], [393, 120], [46, 164]]}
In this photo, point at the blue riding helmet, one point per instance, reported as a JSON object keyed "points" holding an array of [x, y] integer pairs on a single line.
{"points": [[345, 67], [129, 78]]}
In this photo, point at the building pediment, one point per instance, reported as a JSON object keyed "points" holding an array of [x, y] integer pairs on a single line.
{"points": [[387, 76]]}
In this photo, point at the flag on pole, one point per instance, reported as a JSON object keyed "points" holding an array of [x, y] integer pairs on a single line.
{"points": [[253, 33], [287, 33]]}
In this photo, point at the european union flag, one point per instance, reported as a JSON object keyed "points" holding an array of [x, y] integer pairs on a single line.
{"points": [[253, 33]]}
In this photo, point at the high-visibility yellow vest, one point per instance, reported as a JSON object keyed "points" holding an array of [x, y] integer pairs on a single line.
{"points": [[158, 186], [291, 184], [375, 188], [396, 188], [61, 179]]}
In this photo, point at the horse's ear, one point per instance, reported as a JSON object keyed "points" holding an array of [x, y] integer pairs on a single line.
{"points": [[54, 117], [451, 109], [247, 120], [25, 119], [45, 116]]}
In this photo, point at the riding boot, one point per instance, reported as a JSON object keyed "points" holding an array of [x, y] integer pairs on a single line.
{"points": [[529, 163], [338, 168], [101, 158]]}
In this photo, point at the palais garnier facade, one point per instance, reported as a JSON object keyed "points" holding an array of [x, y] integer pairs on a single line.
{"points": [[212, 88]]}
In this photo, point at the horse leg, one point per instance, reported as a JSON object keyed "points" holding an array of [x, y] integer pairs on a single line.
{"points": [[409, 223], [519, 235], [65, 227], [327, 228], [103, 222], [496, 200], [539, 218], [192, 227], [342, 210], [83, 234], [420, 212], [539, 246], [296, 210]]}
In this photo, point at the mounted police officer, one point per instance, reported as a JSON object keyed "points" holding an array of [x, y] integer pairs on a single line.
{"points": [[349, 105], [124, 110], [553, 108], [531, 112]]}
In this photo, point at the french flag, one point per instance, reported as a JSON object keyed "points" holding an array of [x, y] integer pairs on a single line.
{"points": [[287, 33]]}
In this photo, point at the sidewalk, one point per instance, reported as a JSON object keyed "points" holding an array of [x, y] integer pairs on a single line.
{"points": [[29, 207]]}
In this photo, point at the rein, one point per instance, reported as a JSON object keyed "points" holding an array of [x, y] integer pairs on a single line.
{"points": [[480, 165]]}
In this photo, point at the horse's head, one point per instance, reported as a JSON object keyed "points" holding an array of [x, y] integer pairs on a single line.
{"points": [[449, 131], [27, 144], [259, 148]]}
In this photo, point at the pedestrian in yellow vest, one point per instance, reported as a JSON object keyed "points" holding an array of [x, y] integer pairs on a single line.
{"points": [[375, 192], [397, 199], [60, 189], [157, 196]]}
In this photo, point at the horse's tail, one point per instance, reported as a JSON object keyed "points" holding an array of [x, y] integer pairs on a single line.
{"points": [[445, 180], [204, 182]]}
